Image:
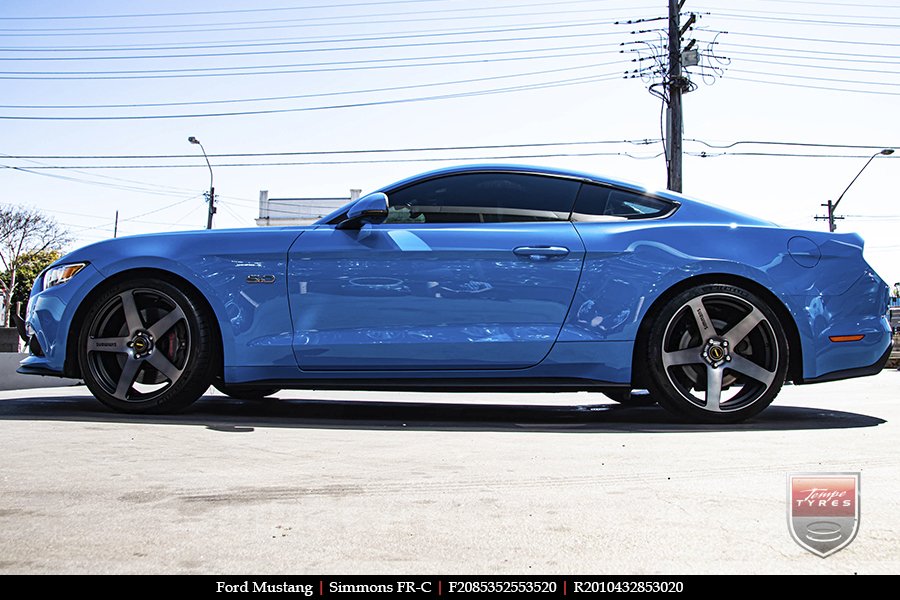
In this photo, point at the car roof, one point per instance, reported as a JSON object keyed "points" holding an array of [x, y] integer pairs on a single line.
{"points": [[516, 168], [691, 208]]}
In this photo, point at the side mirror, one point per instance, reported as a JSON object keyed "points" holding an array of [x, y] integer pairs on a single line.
{"points": [[372, 206]]}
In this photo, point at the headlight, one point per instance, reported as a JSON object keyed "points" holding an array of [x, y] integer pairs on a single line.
{"points": [[61, 274]]}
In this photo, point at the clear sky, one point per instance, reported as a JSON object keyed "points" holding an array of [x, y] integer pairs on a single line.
{"points": [[441, 73]]}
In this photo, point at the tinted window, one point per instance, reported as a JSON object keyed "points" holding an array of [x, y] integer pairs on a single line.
{"points": [[599, 203], [483, 198]]}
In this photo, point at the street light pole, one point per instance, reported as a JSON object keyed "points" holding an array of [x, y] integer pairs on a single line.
{"points": [[212, 190], [831, 207]]}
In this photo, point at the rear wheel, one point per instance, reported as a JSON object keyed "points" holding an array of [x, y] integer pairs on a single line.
{"points": [[716, 354], [146, 347]]}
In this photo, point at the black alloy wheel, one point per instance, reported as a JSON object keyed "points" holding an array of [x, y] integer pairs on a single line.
{"points": [[147, 347]]}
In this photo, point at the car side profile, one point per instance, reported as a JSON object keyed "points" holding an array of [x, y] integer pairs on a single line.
{"points": [[481, 277]]}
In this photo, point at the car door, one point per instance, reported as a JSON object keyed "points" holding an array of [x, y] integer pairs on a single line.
{"points": [[468, 271]]}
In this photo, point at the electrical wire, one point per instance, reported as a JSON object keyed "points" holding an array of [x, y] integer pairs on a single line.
{"points": [[232, 54], [468, 31], [358, 65], [640, 142], [528, 87], [859, 59], [813, 87], [260, 10], [821, 22], [808, 39], [376, 47], [329, 21], [810, 78], [357, 162]]}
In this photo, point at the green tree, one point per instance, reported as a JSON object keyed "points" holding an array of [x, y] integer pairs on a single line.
{"points": [[30, 266], [23, 231]]}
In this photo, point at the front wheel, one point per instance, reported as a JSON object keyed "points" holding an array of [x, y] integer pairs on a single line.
{"points": [[146, 347], [716, 354]]}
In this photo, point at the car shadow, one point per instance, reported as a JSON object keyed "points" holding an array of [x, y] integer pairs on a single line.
{"points": [[224, 414]]}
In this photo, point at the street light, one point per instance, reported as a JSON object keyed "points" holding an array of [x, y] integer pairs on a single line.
{"points": [[212, 190], [833, 206]]}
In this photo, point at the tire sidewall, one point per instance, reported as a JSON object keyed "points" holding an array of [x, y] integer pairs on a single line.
{"points": [[663, 390], [197, 369]]}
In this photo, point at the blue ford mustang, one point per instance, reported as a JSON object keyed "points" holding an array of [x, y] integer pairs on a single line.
{"points": [[481, 277]]}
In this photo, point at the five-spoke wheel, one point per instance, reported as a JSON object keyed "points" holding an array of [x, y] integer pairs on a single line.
{"points": [[717, 353], [146, 347]]}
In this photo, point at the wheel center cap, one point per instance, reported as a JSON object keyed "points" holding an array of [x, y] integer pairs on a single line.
{"points": [[141, 344], [715, 352]]}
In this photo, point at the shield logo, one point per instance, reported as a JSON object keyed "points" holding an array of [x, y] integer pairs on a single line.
{"points": [[823, 510]]}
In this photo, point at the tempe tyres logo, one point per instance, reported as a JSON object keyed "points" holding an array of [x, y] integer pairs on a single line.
{"points": [[823, 511]]}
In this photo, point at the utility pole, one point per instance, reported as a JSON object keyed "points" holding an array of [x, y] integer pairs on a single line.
{"points": [[116, 226], [678, 85], [676, 123]]}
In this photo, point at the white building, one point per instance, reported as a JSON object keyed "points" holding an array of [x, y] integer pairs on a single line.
{"points": [[278, 212]]}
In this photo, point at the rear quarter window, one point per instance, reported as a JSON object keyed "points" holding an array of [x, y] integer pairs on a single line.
{"points": [[602, 203]]}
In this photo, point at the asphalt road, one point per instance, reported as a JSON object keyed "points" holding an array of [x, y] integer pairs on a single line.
{"points": [[436, 483]]}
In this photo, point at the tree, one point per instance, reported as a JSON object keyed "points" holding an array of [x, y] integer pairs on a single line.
{"points": [[23, 232], [30, 266]]}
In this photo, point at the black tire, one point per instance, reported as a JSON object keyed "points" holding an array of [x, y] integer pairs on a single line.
{"points": [[712, 339], [630, 398], [245, 393], [147, 347]]}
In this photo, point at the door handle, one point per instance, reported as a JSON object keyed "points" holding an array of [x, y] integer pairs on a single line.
{"points": [[541, 252]]}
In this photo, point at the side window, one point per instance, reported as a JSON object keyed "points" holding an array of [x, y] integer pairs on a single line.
{"points": [[483, 198], [600, 203]]}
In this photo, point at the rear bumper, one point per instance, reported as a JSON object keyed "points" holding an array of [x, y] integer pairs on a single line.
{"points": [[861, 310], [872, 369]]}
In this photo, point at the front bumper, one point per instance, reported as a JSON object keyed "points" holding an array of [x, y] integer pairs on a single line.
{"points": [[49, 320]]}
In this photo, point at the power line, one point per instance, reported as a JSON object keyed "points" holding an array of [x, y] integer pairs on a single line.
{"points": [[702, 154], [831, 68], [803, 21], [786, 143], [410, 45], [806, 77], [360, 65], [848, 4], [536, 86], [813, 87], [808, 39], [817, 15], [641, 142], [358, 162], [267, 27], [276, 98], [259, 10], [859, 58], [777, 154], [418, 149], [331, 21]]}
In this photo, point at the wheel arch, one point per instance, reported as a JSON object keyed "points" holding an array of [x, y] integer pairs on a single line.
{"points": [[795, 349], [71, 368]]}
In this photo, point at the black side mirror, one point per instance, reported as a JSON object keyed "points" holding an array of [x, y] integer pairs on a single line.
{"points": [[372, 207]]}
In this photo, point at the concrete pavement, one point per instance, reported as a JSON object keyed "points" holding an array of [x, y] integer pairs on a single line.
{"points": [[436, 483]]}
